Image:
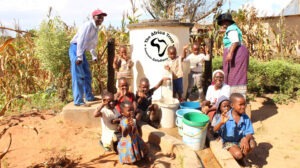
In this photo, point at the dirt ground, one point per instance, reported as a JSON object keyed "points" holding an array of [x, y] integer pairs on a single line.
{"points": [[43, 139]]}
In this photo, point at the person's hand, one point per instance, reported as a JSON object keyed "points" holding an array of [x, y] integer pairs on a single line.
{"points": [[130, 64], [229, 57], [115, 121], [104, 103], [224, 118], [78, 62], [244, 145], [206, 49], [205, 109], [141, 94], [123, 92], [186, 47], [166, 78], [118, 96], [167, 67]]}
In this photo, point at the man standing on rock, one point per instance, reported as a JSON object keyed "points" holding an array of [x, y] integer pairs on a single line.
{"points": [[85, 39]]}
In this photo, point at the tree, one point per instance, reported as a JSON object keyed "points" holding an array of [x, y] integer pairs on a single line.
{"points": [[184, 10]]}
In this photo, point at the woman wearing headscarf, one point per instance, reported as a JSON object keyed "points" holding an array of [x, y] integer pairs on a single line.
{"points": [[214, 92], [235, 56]]}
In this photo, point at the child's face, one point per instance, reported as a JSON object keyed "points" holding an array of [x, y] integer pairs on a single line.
{"points": [[239, 105], [144, 87], [123, 53], [172, 54], [225, 106], [110, 102], [196, 49], [127, 110], [123, 86]]}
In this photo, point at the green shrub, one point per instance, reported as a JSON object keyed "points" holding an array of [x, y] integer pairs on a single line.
{"points": [[52, 46]]}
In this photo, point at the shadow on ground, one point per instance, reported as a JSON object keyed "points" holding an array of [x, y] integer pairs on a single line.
{"points": [[260, 154], [268, 109]]}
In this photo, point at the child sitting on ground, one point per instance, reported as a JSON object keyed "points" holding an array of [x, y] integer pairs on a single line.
{"points": [[123, 65], [146, 111], [236, 129], [173, 64], [123, 94], [223, 106], [196, 59], [131, 146], [109, 121]]}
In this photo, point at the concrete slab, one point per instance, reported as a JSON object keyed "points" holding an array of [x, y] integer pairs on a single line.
{"points": [[81, 115], [172, 146], [224, 158]]}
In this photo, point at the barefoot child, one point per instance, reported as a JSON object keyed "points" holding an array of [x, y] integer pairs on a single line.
{"points": [[173, 64], [131, 147], [109, 121], [146, 111], [236, 129]]}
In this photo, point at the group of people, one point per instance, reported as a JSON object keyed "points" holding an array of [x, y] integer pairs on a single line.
{"points": [[121, 113], [121, 116]]}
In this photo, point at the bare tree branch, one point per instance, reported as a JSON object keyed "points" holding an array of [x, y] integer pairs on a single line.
{"points": [[216, 7], [15, 30], [6, 150]]}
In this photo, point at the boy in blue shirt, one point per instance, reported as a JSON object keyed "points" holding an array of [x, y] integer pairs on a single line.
{"points": [[236, 128]]}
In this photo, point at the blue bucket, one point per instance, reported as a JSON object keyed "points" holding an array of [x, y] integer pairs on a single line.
{"points": [[190, 105], [179, 114]]}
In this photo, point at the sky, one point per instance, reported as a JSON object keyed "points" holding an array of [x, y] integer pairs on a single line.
{"points": [[29, 13]]}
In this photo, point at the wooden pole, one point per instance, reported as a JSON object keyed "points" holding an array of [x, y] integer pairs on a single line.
{"points": [[208, 66], [110, 70]]}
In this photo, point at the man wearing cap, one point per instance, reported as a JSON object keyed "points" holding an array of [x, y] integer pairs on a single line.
{"points": [[86, 39], [235, 56]]}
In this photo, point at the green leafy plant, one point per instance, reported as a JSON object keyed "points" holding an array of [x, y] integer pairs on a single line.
{"points": [[52, 43]]}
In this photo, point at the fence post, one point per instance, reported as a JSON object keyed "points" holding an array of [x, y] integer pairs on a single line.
{"points": [[208, 65], [110, 70]]}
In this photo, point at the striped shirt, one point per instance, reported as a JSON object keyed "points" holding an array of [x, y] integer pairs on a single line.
{"points": [[86, 39]]}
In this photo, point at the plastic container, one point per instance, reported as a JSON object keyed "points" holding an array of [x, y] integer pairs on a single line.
{"points": [[168, 109], [179, 116], [195, 129], [190, 105]]}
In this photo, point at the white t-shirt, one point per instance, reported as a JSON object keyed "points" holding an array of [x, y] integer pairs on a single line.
{"points": [[107, 127], [212, 94], [196, 61], [233, 36]]}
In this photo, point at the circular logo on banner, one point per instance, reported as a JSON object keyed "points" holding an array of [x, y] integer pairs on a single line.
{"points": [[156, 45]]}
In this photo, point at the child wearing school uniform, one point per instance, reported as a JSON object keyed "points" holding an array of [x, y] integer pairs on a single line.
{"points": [[236, 129]]}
